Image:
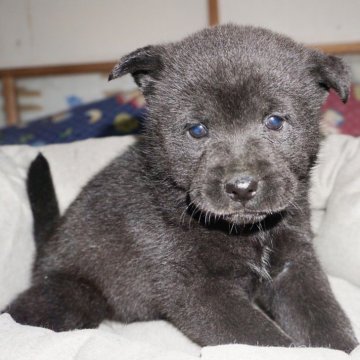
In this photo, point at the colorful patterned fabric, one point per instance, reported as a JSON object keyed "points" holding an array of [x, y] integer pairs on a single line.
{"points": [[342, 118], [116, 115]]}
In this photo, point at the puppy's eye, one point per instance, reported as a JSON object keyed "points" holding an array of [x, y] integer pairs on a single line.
{"points": [[274, 122], [198, 130]]}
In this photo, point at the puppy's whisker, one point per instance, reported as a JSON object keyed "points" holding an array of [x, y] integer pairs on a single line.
{"points": [[195, 210], [199, 219], [207, 216], [296, 206], [231, 229], [182, 216]]}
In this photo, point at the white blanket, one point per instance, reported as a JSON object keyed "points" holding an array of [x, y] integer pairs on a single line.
{"points": [[336, 201]]}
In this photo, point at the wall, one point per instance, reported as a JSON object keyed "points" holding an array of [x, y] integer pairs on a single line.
{"points": [[38, 32], [308, 21]]}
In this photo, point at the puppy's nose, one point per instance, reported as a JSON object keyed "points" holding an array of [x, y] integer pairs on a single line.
{"points": [[242, 188]]}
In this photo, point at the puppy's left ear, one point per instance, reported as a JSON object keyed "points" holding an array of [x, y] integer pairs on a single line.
{"points": [[143, 64], [333, 73]]}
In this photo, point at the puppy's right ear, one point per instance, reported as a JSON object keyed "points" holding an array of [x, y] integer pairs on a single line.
{"points": [[144, 64]]}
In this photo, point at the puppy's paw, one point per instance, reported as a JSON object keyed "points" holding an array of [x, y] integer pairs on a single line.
{"points": [[60, 302], [22, 315], [338, 341]]}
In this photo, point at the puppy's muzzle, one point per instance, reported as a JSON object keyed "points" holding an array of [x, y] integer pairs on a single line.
{"points": [[242, 188]]}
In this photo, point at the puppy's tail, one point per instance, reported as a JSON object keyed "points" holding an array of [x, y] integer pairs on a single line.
{"points": [[42, 197]]}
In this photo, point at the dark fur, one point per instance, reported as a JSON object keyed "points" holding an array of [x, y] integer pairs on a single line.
{"points": [[42, 198], [155, 235]]}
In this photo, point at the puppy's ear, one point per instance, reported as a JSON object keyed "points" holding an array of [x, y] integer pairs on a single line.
{"points": [[144, 64], [333, 73]]}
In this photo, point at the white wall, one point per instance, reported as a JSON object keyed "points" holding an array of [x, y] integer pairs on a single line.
{"points": [[37, 32], [308, 21]]}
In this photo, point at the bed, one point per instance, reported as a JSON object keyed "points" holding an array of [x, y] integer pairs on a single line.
{"points": [[335, 192]]}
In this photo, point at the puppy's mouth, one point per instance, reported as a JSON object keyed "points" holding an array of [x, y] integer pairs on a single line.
{"points": [[207, 213], [245, 217]]}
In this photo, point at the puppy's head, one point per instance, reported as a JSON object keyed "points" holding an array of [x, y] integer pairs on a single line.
{"points": [[234, 116]]}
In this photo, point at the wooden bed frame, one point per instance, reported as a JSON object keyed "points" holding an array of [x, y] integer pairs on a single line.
{"points": [[9, 75]]}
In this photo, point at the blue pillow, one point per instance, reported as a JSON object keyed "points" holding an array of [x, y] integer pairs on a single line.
{"points": [[97, 119]]}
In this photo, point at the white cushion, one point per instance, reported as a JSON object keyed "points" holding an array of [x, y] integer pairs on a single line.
{"points": [[335, 198]]}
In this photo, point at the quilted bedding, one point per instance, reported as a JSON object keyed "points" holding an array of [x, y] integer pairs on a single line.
{"points": [[335, 200]]}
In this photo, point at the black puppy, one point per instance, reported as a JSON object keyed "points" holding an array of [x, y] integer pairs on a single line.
{"points": [[205, 221]]}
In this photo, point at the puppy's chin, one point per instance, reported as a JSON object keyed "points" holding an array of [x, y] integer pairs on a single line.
{"points": [[245, 218], [241, 217], [209, 210]]}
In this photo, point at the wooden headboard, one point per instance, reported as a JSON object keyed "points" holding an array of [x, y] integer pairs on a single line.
{"points": [[9, 75]]}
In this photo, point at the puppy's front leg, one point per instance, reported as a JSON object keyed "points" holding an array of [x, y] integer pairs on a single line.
{"points": [[303, 304], [213, 314]]}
